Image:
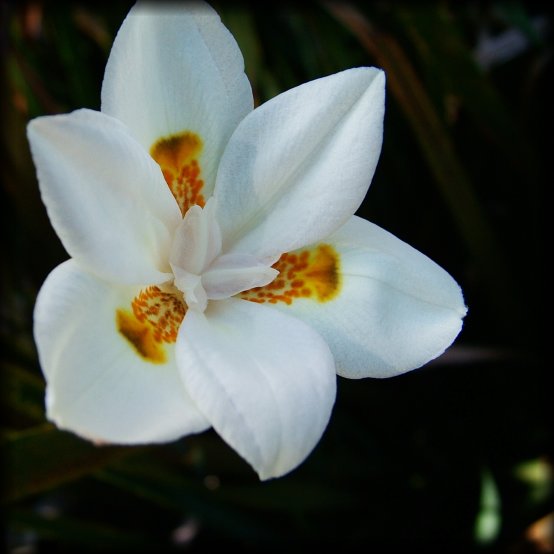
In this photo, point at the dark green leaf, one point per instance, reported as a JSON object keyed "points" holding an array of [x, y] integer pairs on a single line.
{"points": [[437, 148], [95, 536], [44, 457], [23, 392]]}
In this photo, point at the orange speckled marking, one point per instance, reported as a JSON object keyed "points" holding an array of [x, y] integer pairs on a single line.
{"points": [[308, 273], [177, 155], [154, 320]]}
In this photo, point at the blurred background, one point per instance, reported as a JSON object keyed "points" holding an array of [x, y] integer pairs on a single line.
{"points": [[453, 457]]}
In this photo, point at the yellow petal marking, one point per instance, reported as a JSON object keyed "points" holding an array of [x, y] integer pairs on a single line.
{"points": [[307, 273], [177, 155], [153, 321]]}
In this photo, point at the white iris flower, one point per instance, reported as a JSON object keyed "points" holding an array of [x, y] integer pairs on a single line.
{"points": [[218, 277]]}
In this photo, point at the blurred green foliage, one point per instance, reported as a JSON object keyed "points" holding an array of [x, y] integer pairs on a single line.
{"points": [[455, 457]]}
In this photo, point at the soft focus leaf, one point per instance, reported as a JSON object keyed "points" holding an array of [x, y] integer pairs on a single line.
{"points": [[450, 67], [42, 457], [23, 392], [236, 509], [436, 145], [74, 531], [488, 522], [173, 490]]}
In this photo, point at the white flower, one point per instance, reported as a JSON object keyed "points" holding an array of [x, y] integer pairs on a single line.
{"points": [[218, 276]]}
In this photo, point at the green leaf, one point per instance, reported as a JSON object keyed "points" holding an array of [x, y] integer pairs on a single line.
{"points": [[70, 530], [238, 507], [437, 148], [23, 392], [43, 457], [516, 14], [172, 489], [450, 66]]}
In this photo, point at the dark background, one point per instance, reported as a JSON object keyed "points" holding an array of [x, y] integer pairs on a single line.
{"points": [[453, 457]]}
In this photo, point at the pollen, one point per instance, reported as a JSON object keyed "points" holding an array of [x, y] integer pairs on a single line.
{"points": [[307, 273], [152, 322], [177, 155]]}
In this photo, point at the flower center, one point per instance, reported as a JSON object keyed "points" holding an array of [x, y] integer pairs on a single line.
{"points": [[202, 271]]}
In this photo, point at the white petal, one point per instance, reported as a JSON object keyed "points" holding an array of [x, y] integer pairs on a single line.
{"points": [[395, 311], [177, 68], [232, 273], [97, 385], [106, 198], [299, 166], [265, 381]]}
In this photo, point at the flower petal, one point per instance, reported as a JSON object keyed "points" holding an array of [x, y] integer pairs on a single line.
{"points": [[105, 196], [177, 69], [232, 273], [266, 381], [98, 386], [383, 307], [299, 166]]}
